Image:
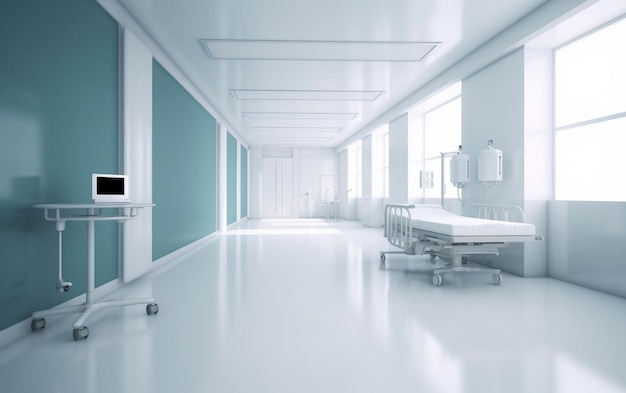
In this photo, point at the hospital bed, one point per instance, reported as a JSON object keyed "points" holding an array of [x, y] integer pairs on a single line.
{"points": [[431, 230]]}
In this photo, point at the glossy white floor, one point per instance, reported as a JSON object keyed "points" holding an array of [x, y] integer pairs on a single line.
{"points": [[301, 306]]}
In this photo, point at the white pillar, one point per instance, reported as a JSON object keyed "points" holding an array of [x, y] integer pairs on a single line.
{"points": [[136, 153], [222, 175], [399, 160]]}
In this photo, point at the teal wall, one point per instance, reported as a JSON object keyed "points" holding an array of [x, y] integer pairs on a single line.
{"points": [[231, 182], [184, 157], [58, 124], [244, 182]]}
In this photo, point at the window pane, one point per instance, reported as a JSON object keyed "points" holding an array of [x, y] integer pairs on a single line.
{"points": [[590, 81], [359, 175], [386, 150], [589, 162], [386, 165], [353, 174], [386, 183], [442, 129], [442, 133]]}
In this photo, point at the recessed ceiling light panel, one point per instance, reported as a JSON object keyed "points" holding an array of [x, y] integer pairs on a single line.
{"points": [[306, 95], [387, 51], [299, 116], [299, 138], [297, 129]]}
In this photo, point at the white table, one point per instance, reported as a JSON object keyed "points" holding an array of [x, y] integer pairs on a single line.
{"points": [[89, 212]]}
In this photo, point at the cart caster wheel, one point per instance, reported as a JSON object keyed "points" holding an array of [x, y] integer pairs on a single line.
{"points": [[433, 258], [496, 279], [80, 333], [66, 288], [437, 280], [37, 324], [382, 260], [152, 309]]}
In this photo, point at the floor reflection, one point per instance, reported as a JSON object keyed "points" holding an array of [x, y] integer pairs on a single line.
{"points": [[309, 310]]}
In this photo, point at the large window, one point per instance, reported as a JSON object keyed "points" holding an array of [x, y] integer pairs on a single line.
{"points": [[590, 116], [434, 127], [442, 133], [386, 164], [380, 141], [355, 171]]}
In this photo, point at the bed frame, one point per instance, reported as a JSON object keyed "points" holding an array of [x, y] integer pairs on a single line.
{"points": [[453, 249]]}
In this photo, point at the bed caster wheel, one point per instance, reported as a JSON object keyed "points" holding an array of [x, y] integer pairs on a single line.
{"points": [[437, 280], [80, 333], [433, 258], [152, 309], [496, 279], [66, 288], [382, 260], [37, 324]]}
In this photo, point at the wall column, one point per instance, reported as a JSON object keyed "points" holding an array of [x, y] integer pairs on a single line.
{"points": [[222, 178], [399, 160], [136, 153]]}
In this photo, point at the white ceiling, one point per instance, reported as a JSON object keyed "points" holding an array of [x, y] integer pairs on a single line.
{"points": [[313, 73]]}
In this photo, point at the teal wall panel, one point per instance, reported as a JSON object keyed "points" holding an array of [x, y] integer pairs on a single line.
{"points": [[244, 182], [58, 124], [184, 156], [231, 181]]}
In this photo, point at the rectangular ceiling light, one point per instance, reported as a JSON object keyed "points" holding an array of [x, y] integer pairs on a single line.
{"points": [[388, 51], [306, 95], [299, 116], [296, 129], [299, 138]]}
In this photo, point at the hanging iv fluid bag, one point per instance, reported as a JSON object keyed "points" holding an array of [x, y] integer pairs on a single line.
{"points": [[490, 165], [459, 169]]}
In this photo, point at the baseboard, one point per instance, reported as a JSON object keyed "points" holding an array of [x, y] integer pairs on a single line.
{"points": [[236, 223], [172, 258]]}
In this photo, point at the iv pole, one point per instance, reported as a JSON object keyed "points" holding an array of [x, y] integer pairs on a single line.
{"points": [[443, 175]]}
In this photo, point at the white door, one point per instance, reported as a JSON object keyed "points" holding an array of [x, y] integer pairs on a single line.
{"points": [[277, 187]]}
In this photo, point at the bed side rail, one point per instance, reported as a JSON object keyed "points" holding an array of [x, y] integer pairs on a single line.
{"points": [[509, 213], [398, 230]]}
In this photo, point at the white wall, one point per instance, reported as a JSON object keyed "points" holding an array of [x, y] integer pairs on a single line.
{"points": [[256, 181], [315, 168], [586, 244], [493, 108], [348, 209], [278, 187], [311, 166], [399, 160]]}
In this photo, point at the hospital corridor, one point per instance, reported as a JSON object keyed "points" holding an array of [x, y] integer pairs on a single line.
{"points": [[301, 306], [293, 196]]}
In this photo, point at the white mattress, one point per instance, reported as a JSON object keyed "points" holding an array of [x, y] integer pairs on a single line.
{"points": [[432, 218]]}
